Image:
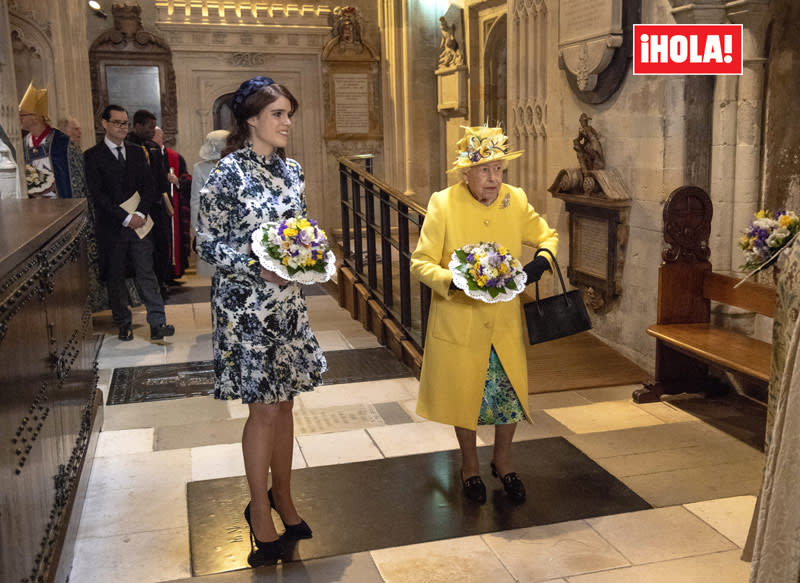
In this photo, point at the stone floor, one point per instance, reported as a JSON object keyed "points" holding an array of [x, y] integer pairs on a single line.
{"points": [[700, 480]]}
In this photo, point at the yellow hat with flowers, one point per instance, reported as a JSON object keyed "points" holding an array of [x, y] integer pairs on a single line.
{"points": [[482, 144], [34, 101]]}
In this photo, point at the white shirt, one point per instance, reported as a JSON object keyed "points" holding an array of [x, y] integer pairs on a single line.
{"points": [[113, 147]]}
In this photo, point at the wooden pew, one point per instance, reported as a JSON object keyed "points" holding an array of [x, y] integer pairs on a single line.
{"points": [[687, 342]]}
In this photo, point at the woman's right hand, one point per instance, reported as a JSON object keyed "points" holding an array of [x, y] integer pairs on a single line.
{"points": [[273, 277]]}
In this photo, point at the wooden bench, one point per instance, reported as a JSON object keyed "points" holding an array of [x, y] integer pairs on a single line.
{"points": [[687, 342]]}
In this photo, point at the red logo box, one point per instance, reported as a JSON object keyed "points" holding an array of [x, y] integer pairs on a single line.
{"points": [[687, 49]]}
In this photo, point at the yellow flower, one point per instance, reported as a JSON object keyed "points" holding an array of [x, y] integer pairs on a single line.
{"points": [[502, 250], [503, 268], [290, 232], [303, 223], [785, 221], [763, 214], [285, 260]]}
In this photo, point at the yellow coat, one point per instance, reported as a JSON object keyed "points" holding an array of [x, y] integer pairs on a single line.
{"points": [[461, 331]]}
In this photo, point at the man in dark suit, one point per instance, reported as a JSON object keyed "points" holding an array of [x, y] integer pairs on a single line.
{"points": [[115, 170], [144, 125]]}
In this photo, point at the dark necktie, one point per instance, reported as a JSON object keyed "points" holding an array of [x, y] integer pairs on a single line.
{"points": [[120, 157]]}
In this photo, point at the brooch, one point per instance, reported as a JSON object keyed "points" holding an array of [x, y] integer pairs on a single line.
{"points": [[506, 201]]}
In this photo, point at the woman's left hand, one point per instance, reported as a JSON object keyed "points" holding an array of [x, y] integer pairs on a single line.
{"points": [[536, 268], [273, 277]]}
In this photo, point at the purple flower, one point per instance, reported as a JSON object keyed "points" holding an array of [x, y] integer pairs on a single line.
{"points": [[302, 238]]}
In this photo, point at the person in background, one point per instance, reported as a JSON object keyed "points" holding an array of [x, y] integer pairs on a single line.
{"points": [[116, 171], [264, 350], [53, 164], [474, 371], [142, 132], [180, 182], [72, 128], [210, 153]]}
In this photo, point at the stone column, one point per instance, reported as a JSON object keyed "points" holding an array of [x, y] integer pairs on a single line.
{"points": [[72, 80], [529, 31], [409, 53], [754, 16], [10, 186]]}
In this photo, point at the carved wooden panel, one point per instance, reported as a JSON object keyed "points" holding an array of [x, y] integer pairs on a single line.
{"points": [[47, 389], [687, 225]]}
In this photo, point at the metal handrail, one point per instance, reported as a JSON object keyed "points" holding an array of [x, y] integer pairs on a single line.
{"points": [[391, 230]]}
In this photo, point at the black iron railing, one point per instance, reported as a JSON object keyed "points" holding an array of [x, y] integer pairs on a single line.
{"points": [[380, 228]]}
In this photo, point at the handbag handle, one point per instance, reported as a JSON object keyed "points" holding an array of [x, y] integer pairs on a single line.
{"points": [[560, 277]]}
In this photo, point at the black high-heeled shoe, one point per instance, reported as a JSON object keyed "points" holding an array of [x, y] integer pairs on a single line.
{"points": [[511, 484], [262, 553], [299, 530]]}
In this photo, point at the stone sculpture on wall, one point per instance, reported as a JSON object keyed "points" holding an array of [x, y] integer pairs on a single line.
{"points": [[345, 24], [588, 147], [450, 53], [598, 202], [451, 70]]}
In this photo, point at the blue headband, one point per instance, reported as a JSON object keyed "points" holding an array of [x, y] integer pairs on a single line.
{"points": [[246, 89]]}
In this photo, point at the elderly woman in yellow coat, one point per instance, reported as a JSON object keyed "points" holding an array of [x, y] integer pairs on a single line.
{"points": [[474, 370]]}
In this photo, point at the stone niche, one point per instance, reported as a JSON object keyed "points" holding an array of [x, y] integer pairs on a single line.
{"points": [[598, 202]]}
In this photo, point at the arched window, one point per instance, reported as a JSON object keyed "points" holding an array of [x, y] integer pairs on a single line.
{"points": [[223, 114], [495, 74]]}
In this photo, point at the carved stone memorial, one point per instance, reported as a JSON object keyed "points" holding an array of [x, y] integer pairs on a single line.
{"points": [[451, 71], [594, 44], [350, 78], [133, 68], [598, 203]]}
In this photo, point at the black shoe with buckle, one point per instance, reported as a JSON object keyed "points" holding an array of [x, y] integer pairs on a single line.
{"points": [[158, 332], [125, 332], [474, 489], [513, 486]]}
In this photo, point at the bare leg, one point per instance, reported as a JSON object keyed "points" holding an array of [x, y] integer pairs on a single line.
{"points": [[467, 441], [281, 464], [258, 442], [503, 436]]}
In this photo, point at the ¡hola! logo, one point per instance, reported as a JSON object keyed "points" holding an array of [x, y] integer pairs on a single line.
{"points": [[687, 49]]}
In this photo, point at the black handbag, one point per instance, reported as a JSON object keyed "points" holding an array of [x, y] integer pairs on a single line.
{"points": [[557, 316]]}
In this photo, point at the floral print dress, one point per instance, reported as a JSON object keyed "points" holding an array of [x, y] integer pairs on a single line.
{"points": [[264, 349]]}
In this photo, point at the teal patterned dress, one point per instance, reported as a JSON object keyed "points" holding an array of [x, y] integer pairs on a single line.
{"points": [[500, 404], [264, 349]]}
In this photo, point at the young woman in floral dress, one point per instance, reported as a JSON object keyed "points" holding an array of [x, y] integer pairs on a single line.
{"points": [[264, 350]]}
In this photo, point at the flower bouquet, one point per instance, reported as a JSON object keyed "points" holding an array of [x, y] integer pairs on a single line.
{"points": [[40, 181], [767, 234], [487, 272], [296, 248]]}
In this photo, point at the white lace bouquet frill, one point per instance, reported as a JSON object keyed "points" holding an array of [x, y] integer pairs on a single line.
{"points": [[487, 272], [296, 248]]}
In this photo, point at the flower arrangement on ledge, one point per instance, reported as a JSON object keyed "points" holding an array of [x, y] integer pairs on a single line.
{"points": [[766, 235]]}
